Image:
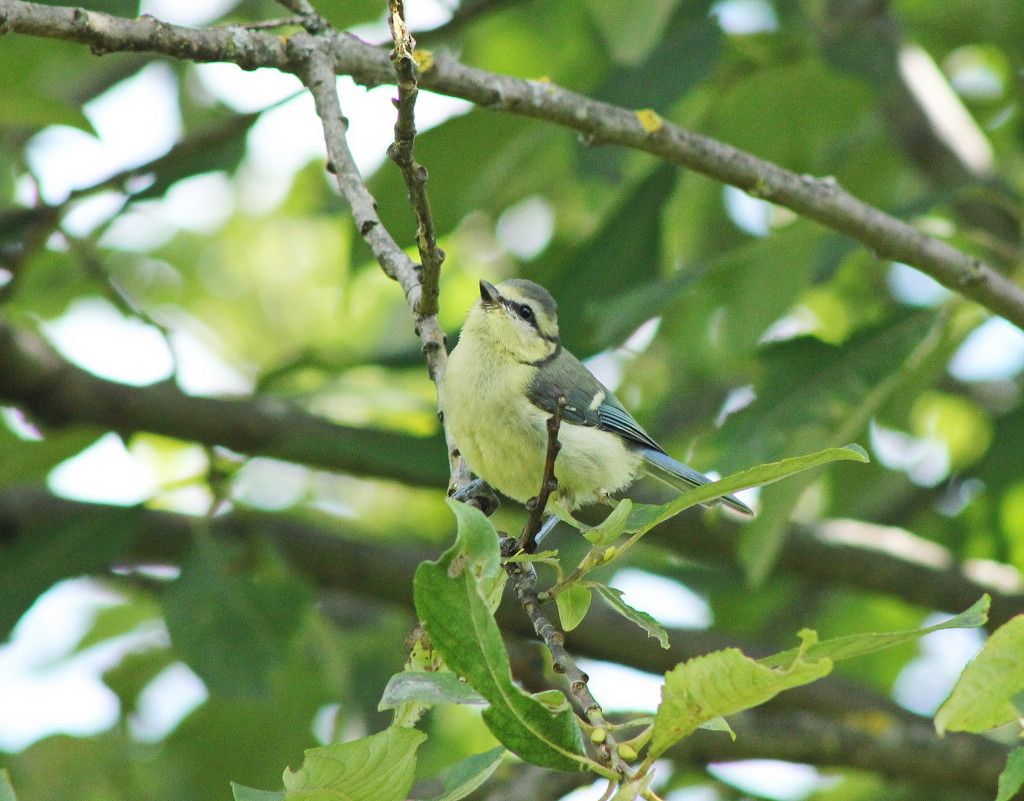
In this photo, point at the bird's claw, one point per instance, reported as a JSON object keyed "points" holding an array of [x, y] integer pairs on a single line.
{"points": [[478, 493]]}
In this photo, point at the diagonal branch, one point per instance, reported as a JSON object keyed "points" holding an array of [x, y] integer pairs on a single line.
{"points": [[319, 77], [822, 200]]}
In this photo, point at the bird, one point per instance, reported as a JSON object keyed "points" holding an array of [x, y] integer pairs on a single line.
{"points": [[501, 385]]}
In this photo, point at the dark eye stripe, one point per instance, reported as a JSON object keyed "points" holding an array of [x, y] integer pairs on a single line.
{"points": [[523, 311]]}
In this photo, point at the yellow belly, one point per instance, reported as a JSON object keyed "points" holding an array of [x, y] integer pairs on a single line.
{"points": [[505, 443]]}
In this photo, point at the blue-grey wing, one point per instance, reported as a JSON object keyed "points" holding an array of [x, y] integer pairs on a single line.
{"points": [[588, 402]]}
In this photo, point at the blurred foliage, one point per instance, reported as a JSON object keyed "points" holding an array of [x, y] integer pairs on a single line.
{"points": [[772, 336]]}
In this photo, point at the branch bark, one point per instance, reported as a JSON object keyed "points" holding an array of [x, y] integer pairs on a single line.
{"points": [[57, 393], [820, 199]]}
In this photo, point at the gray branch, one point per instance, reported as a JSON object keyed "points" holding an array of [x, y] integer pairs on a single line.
{"points": [[820, 199]]}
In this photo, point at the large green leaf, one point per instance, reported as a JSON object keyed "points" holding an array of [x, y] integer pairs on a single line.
{"points": [[605, 292], [719, 684], [860, 644], [376, 768], [234, 626], [86, 540], [32, 460], [462, 629], [1012, 777], [990, 690], [469, 774]]}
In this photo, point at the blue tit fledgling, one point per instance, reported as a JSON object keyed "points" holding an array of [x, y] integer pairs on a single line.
{"points": [[501, 386]]}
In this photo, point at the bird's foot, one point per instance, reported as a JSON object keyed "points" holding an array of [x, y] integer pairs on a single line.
{"points": [[479, 494]]}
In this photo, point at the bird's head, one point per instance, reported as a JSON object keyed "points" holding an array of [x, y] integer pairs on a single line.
{"points": [[518, 317]]}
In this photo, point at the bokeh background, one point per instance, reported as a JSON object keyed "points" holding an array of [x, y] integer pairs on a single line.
{"points": [[171, 224]]}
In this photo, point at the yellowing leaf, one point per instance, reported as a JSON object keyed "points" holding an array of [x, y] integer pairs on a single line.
{"points": [[983, 697], [719, 684], [424, 59]]}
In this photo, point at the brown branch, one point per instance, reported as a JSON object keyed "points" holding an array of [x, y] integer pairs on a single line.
{"points": [[401, 152], [537, 505], [822, 199], [57, 393], [524, 583]]}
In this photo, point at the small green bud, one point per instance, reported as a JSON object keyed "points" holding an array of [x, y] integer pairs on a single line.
{"points": [[597, 736], [609, 553], [627, 752]]}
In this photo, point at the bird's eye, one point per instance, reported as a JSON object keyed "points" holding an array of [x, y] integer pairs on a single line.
{"points": [[526, 313]]}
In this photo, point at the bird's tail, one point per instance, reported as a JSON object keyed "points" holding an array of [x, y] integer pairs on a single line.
{"points": [[678, 475]]}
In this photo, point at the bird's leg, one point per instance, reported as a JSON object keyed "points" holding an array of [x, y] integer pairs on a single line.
{"points": [[478, 493], [545, 529]]}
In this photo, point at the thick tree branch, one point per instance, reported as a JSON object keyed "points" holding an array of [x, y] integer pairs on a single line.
{"points": [[863, 728], [822, 200], [49, 388], [57, 393]]}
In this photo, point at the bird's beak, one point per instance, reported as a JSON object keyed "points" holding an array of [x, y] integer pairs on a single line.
{"points": [[489, 294]]}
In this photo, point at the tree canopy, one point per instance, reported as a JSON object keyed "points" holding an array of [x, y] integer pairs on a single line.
{"points": [[787, 234]]}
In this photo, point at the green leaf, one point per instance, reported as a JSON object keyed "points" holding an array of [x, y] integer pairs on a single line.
{"points": [[32, 460], [983, 697], [718, 724], [428, 688], [625, 237], [6, 789], [613, 598], [719, 684], [754, 477], [242, 793], [860, 644], [469, 774], [376, 768], [464, 632], [478, 539], [1012, 777], [611, 528], [233, 625], [573, 603], [83, 540]]}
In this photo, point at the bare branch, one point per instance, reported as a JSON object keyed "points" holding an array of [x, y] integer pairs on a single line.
{"points": [[55, 392], [820, 199], [538, 504], [401, 152], [319, 77], [524, 581]]}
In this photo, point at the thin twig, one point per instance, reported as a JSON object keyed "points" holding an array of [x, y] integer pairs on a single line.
{"points": [[401, 152], [549, 484], [524, 581], [319, 78], [309, 18]]}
